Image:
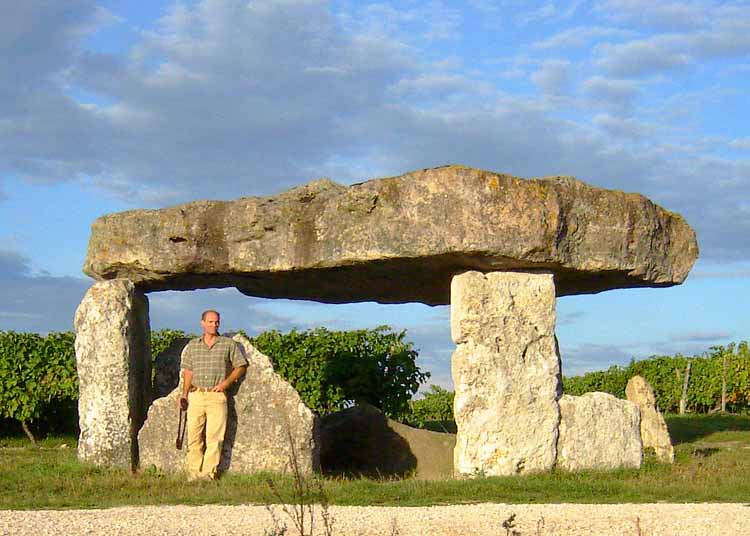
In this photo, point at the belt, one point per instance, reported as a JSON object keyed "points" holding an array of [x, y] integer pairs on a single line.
{"points": [[193, 388]]}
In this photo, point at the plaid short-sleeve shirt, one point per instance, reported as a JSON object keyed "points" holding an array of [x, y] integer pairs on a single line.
{"points": [[210, 366]]}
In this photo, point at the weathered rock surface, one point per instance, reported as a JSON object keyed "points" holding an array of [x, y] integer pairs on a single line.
{"points": [[598, 431], [654, 432], [362, 440], [506, 371], [267, 418], [167, 368], [326, 242], [114, 371]]}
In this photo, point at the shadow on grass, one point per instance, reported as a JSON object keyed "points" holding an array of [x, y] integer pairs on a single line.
{"points": [[688, 428]]}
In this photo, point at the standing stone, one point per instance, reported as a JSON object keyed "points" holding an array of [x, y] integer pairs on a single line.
{"points": [[506, 371], [654, 432], [113, 359], [267, 422], [598, 431]]}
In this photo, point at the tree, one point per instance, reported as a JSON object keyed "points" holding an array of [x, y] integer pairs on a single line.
{"points": [[332, 370], [35, 372]]}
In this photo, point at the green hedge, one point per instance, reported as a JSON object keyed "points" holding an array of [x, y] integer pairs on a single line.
{"points": [[37, 376], [667, 374], [334, 369], [330, 369]]}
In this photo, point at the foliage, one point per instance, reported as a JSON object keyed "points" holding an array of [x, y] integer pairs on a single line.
{"points": [[330, 369], [435, 405], [162, 338], [667, 374], [333, 369], [36, 372]]}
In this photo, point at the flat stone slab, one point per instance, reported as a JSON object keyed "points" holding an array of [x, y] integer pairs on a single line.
{"points": [[332, 243], [364, 441], [599, 431]]}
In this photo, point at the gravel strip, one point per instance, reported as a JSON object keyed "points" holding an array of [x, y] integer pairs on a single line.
{"points": [[463, 520]]}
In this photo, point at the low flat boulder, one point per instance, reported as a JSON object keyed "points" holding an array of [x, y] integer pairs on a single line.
{"points": [[598, 431], [362, 440], [267, 422], [336, 244]]}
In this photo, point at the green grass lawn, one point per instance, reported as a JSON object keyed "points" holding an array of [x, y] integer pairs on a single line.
{"points": [[712, 464]]}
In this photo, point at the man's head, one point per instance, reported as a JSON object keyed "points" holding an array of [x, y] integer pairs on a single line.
{"points": [[210, 321]]}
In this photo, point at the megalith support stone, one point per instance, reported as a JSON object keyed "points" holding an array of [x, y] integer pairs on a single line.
{"points": [[654, 432], [268, 422], [598, 431], [113, 359], [506, 371]]}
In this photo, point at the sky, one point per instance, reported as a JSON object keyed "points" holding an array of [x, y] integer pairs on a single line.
{"points": [[113, 105]]}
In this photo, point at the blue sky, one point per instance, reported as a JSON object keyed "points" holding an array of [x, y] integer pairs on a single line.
{"points": [[108, 106]]}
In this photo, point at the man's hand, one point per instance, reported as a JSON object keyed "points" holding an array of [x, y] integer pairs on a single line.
{"points": [[182, 403], [220, 387]]}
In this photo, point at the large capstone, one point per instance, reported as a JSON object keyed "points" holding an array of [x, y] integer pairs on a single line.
{"points": [[114, 372], [598, 431], [268, 426], [654, 432], [506, 371], [331, 243]]}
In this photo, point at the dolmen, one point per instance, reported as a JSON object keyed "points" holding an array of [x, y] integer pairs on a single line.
{"points": [[498, 249]]}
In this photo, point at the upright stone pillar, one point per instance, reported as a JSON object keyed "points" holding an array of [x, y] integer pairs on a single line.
{"points": [[113, 358], [506, 371]]}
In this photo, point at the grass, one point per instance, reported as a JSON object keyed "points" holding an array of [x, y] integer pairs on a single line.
{"points": [[712, 464]]}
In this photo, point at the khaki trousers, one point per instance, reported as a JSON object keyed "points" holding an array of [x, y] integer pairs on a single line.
{"points": [[207, 413]]}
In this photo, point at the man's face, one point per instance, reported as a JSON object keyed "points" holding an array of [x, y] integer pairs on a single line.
{"points": [[210, 324]]}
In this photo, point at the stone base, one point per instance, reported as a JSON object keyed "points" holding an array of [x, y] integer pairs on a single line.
{"points": [[113, 359], [506, 371], [598, 431]]}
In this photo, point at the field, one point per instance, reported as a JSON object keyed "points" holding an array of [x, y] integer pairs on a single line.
{"points": [[712, 465]]}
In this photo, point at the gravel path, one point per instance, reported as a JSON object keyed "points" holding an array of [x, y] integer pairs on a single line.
{"points": [[463, 520]]}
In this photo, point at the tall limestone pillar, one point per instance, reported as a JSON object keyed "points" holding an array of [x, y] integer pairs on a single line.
{"points": [[506, 371], [113, 358]]}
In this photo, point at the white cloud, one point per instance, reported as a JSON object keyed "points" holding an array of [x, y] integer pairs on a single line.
{"points": [[253, 114], [615, 94], [36, 303], [681, 15], [740, 143], [618, 127], [553, 77], [702, 337], [641, 57], [578, 37]]}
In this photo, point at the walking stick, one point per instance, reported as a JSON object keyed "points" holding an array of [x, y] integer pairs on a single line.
{"points": [[182, 424]]}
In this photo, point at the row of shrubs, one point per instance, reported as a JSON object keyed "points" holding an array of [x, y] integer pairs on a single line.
{"points": [[330, 369], [334, 369], [722, 368]]}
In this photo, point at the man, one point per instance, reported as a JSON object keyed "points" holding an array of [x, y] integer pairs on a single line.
{"points": [[211, 364]]}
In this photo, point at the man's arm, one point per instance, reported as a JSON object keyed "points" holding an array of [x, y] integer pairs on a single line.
{"points": [[235, 375], [187, 381]]}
